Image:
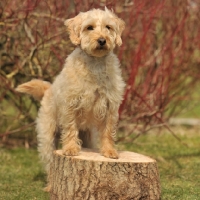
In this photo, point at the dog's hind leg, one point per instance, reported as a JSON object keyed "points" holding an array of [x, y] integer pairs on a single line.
{"points": [[46, 128]]}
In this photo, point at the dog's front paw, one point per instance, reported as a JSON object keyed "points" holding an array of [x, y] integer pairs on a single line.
{"points": [[71, 151], [110, 153]]}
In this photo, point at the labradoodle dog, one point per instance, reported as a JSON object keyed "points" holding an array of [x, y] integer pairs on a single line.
{"points": [[83, 100]]}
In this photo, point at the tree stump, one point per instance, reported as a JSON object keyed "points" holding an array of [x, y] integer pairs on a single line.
{"points": [[90, 176]]}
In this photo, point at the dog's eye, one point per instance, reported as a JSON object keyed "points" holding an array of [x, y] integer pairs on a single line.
{"points": [[90, 28], [108, 27]]}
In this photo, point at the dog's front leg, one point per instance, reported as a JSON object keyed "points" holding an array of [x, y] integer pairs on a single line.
{"points": [[71, 145], [108, 136]]}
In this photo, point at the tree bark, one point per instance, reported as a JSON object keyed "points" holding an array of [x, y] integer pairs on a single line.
{"points": [[91, 176]]}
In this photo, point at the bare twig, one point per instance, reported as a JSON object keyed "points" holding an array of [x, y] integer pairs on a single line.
{"points": [[17, 130]]}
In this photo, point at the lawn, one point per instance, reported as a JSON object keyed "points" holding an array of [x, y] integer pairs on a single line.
{"points": [[22, 178], [21, 175]]}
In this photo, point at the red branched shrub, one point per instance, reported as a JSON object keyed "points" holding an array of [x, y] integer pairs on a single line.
{"points": [[159, 56]]}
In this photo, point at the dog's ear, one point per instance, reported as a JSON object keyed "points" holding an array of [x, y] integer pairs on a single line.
{"points": [[121, 26], [74, 27]]}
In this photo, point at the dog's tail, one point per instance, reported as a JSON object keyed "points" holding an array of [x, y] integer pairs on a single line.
{"points": [[36, 88]]}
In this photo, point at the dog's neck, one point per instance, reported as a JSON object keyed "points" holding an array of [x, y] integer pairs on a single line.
{"points": [[96, 65], [93, 58]]}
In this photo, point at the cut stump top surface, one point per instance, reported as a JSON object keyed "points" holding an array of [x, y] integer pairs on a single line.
{"points": [[124, 156]]}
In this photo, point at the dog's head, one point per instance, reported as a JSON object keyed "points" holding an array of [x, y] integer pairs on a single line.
{"points": [[96, 31]]}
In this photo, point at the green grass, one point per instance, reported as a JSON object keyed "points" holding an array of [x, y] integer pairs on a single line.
{"points": [[21, 175]]}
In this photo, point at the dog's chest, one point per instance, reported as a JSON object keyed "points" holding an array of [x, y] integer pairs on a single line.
{"points": [[93, 106], [98, 80], [94, 91], [94, 99]]}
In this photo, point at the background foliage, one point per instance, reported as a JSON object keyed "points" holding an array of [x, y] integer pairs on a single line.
{"points": [[160, 59]]}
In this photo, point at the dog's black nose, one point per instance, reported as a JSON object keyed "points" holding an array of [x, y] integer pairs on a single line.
{"points": [[101, 41]]}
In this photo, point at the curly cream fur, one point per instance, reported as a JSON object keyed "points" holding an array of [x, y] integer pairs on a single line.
{"points": [[84, 99]]}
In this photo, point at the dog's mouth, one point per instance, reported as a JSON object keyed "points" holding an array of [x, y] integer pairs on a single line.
{"points": [[98, 50], [99, 47]]}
